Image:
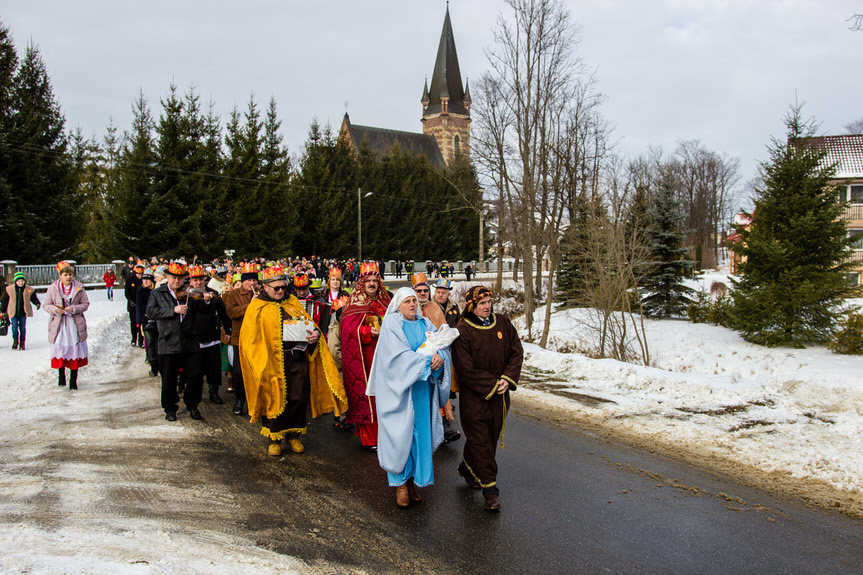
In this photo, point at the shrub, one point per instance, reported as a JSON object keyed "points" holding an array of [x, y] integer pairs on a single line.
{"points": [[707, 308], [849, 338]]}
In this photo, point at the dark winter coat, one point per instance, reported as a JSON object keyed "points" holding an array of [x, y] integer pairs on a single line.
{"points": [[141, 300], [236, 302], [130, 290], [160, 307], [204, 321]]}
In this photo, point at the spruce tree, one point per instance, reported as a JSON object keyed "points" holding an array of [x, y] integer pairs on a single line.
{"points": [[41, 220], [796, 250], [667, 294]]}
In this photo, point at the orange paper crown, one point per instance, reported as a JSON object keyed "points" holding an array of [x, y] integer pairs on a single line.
{"points": [[369, 269], [335, 272], [61, 265], [249, 268], [197, 271], [419, 278], [272, 273], [177, 268], [301, 280]]}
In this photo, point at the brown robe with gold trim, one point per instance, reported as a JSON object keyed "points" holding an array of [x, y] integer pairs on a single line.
{"points": [[481, 356]]}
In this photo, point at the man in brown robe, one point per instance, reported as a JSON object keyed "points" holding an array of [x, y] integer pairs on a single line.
{"points": [[487, 358]]}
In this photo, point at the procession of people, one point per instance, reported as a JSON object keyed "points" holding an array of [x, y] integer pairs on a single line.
{"points": [[295, 339]]}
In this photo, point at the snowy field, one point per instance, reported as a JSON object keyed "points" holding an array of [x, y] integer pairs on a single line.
{"points": [[793, 415]]}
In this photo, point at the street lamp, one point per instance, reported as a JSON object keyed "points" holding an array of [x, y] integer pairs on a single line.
{"points": [[360, 197]]}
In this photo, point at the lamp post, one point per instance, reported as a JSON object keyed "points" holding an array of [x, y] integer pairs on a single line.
{"points": [[360, 197]]}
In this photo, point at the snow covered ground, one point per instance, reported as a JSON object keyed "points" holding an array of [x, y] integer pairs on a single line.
{"points": [[786, 413], [796, 414]]}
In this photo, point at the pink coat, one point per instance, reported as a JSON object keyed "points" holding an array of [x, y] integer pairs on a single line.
{"points": [[54, 301]]}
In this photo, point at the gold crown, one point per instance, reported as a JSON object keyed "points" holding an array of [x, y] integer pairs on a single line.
{"points": [[419, 278], [272, 273], [197, 271], [335, 272], [369, 268], [249, 268], [177, 268], [301, 280], [61, 265]]}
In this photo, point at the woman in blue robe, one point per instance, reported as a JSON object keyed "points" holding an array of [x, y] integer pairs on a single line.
{"points": [[409, 387]]}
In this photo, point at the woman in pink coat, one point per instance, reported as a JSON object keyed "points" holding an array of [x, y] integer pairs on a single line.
{"points": [[66, 301]]}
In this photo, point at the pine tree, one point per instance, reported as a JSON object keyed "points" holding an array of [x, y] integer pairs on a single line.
{"points": [[796, 250], [137, 169], [41, 218], [663, 280]]}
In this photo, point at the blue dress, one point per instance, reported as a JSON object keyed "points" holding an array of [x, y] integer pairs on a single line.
{"points": [[419, 464]]}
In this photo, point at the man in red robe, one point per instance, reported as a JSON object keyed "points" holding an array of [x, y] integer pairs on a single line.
{"points": [[360, 326]]}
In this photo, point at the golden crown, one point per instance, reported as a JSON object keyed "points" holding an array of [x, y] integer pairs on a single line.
{"points": [[369, 268], [272, 273], [177, 268]]}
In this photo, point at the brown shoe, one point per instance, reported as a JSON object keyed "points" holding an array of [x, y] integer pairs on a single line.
{"points": [[402, 498], [275, 448], [491, 503], [413, 492], [296, 445]]}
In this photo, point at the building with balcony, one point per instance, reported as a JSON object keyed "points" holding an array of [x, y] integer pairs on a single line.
{"points": [[846, 153]]}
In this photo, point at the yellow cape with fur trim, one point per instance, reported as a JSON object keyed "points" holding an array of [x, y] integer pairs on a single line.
{"points": [[262, 361]]}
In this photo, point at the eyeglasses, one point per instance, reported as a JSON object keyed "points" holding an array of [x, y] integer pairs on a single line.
{"points": [[421, 290], [278, 288]]}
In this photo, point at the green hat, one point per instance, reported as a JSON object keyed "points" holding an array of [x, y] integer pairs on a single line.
{"points": [[19, 276]]}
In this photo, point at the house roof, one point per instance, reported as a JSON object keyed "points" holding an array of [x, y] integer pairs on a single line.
{"points": [[446, 77], [381, 141], [845, 151]]}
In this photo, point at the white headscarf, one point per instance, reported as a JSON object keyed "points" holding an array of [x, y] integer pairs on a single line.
{"points": [[394, 370]]}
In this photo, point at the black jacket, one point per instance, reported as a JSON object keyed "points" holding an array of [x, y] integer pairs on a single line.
{"points": [[172, 338], [204, 321], [141, 299], [130, 290]]}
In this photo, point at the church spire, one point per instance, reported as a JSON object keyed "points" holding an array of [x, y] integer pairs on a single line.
{"points": [[446, 94]]}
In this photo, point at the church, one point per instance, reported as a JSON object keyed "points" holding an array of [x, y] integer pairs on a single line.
{"points": [[445, 115]]}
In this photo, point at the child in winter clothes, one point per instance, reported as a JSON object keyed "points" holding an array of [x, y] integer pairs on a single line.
{"points": [[17, 304], [110, 278]]}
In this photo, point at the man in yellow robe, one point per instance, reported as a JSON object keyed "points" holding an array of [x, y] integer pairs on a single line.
{"points": [[284, 378]]}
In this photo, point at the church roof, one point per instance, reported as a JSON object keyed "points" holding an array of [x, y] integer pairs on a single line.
{"points": [[446, 78], [381, 141]]}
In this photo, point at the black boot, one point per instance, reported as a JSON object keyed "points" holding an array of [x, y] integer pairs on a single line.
{"points": [[73, 380], [21, 345], [62, 381], [14, 343], [214, 397], [238, 406]]}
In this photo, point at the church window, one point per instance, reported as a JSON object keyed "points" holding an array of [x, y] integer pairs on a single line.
{"points": [[455, 143]]}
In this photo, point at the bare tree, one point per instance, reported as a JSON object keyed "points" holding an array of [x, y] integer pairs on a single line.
{"points": [[856, 22], [855, 127], [528, 134]]}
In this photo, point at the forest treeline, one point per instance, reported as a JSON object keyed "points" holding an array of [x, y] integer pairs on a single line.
{"points": [[179, 181]]}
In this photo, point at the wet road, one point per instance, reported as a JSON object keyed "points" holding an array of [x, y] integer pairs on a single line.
{"points": [[572, 502]]}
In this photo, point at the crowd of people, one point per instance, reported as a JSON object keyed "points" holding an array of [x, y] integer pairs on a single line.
{"points": [[292, 337]]}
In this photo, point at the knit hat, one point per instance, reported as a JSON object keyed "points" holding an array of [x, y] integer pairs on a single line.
{"points": [[19, 276]]}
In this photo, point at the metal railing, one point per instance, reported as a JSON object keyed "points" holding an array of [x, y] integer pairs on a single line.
{"points": [[43, 275]]}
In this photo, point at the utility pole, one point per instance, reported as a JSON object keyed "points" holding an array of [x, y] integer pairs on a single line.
{"points": [[359, 225], [481, 238]]}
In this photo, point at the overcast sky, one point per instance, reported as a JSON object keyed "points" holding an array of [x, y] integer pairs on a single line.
{"points": [[720, 72]]}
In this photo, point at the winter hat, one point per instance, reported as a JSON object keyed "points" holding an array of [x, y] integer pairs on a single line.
{"points": [[19, 276], [475, 294]]}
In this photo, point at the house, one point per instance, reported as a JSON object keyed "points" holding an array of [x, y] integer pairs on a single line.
{"points": [[846, 153], [445, 115]]}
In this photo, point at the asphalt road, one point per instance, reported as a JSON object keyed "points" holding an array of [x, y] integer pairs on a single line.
{"points": [[572, 502]]}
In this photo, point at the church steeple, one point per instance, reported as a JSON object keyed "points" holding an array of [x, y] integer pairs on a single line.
{"points": [[446, 104], [446, 93]]}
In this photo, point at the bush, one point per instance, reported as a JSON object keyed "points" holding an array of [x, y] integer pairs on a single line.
{"points": [[709, 308], [849, 338]]}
